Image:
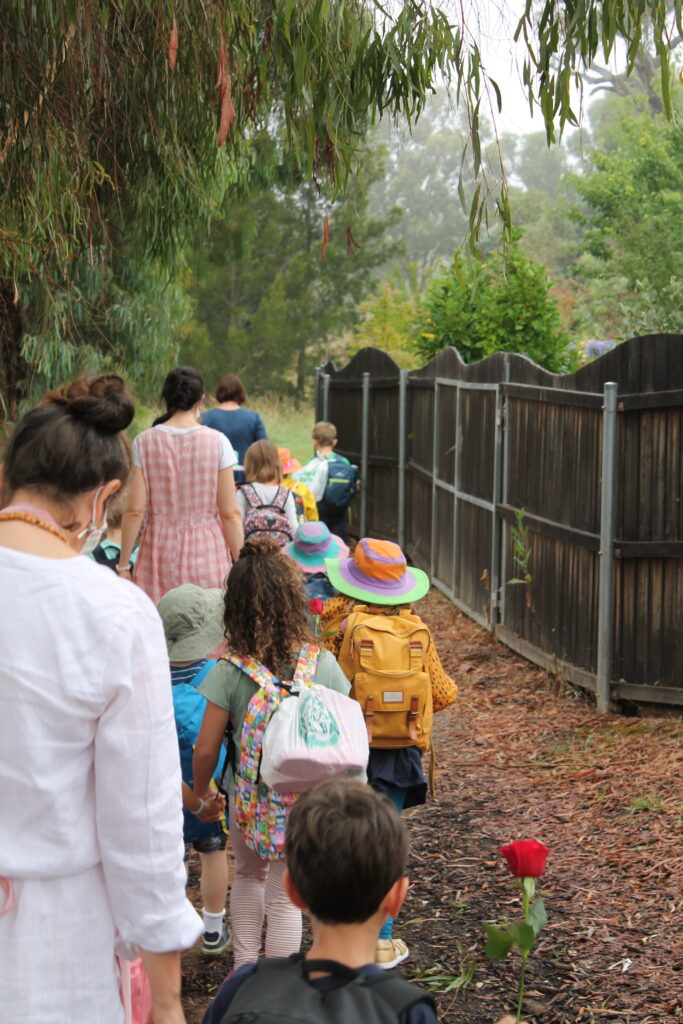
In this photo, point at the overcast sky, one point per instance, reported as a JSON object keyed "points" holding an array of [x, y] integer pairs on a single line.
{"points": [[493, 23]]}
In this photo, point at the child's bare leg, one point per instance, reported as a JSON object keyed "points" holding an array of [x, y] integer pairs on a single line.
{"points": [[214, 881]]}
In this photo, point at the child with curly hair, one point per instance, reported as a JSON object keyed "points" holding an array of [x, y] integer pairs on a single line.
{"points": [[265, 620]]}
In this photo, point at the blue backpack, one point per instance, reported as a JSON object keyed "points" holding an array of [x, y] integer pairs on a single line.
{"points": [[341, 487], [188, 708]]}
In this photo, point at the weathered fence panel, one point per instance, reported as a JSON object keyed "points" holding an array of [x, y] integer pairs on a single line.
{"points": [[454, 454]]}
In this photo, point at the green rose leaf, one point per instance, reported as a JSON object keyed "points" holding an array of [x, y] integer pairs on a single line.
{"points": [[537, 915], [499, 944], [523, 936]]}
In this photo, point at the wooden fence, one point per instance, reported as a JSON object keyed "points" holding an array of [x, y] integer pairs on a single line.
{"points": [[451, 454]]}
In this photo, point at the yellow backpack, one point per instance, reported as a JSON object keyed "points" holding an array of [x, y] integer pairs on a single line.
{"points": [[384, 658]]}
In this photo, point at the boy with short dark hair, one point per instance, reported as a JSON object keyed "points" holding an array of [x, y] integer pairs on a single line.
{"points": [[346, 850]]}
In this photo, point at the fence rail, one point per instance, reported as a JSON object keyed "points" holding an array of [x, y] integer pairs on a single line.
{"points": [[459, 461]]}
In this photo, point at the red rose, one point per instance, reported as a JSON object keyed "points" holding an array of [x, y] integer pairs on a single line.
{"points": [[315, 606], [526, 857]]}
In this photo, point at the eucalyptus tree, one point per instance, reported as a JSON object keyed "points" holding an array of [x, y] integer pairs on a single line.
{"points": [[121, 123]]}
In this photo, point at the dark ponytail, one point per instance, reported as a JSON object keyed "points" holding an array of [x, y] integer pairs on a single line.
{"points": [[182, 389], [70, 443]]}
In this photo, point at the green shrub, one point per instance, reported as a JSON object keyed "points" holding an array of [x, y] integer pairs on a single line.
{"points": [[500, 303]]}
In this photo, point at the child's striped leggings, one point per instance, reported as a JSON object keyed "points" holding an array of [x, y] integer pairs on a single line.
{"points": [[257, 893]]}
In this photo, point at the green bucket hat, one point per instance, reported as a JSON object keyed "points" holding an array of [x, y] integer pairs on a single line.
{"points": [[193, 621]]}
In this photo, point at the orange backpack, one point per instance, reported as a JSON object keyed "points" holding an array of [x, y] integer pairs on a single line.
{"points": [[384, 658]]}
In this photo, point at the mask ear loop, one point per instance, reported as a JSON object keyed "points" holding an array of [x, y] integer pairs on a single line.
{"points": [[92, 525]]}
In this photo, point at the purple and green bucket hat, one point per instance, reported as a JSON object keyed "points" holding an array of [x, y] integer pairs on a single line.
{"points": [[377, 574], [313, 544]]}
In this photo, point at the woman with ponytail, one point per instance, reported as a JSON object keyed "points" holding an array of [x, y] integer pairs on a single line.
{"points": [[91, 857], [182, 494]]}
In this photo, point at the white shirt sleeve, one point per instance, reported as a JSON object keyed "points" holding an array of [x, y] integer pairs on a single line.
{"points": [[228, 456], [138, 791]]}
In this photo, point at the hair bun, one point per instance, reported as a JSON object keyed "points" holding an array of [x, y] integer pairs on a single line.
{"points": [[102, 402], [260, 548]]}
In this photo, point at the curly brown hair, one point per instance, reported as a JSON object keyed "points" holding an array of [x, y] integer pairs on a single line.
{"points": [[265, 606]]}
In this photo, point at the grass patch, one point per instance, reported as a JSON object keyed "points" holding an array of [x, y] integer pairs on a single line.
{"points": [[646, 803], [287, 424]]}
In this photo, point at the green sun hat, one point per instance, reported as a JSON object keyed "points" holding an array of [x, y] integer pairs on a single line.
{"points": [[193, 621]]}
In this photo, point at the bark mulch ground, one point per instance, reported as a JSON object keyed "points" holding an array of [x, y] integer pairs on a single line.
{"points": [[522, 755]]}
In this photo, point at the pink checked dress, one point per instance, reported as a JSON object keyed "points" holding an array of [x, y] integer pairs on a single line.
{"points": [[182, 535]]}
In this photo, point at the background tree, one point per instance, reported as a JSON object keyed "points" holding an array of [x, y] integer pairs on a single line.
{"points": [[427, 179], [388, 318], [632, 216], [110, 115], [279, 276], [121, 125]]}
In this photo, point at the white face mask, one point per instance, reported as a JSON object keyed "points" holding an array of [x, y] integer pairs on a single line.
{"points": [[92, 532]]}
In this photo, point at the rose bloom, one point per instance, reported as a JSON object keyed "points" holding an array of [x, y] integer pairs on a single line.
{"points": [[315, 606], [526, 857]]}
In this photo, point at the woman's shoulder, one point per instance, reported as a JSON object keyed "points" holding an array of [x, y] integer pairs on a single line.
{"points": [[144, 437]]}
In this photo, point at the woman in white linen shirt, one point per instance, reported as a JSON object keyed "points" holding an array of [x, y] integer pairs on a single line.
{"points": [[90, 791]]}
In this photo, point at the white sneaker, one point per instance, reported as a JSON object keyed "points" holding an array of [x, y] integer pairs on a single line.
{"points": [[390, 952]]}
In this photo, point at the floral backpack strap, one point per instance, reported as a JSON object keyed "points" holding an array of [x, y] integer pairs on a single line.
{"points": [[280, 499], [307, 665], [258, 713], [251, 497], [257, 672]]}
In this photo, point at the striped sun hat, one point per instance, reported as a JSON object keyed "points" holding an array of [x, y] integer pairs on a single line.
{"points": [[377, 573], [313, 544]]}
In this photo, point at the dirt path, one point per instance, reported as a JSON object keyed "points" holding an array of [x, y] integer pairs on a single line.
{"points": [[523, 757]]}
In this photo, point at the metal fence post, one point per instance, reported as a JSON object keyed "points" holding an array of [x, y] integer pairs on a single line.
{"points": [[504, 492], [457, 475], [365, 430], [435, 473], [326, 396], [496, 525], [607, 519], [402, 429]]}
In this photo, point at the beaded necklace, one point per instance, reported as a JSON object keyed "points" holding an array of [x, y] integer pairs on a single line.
{"points": [[26, 517]]}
